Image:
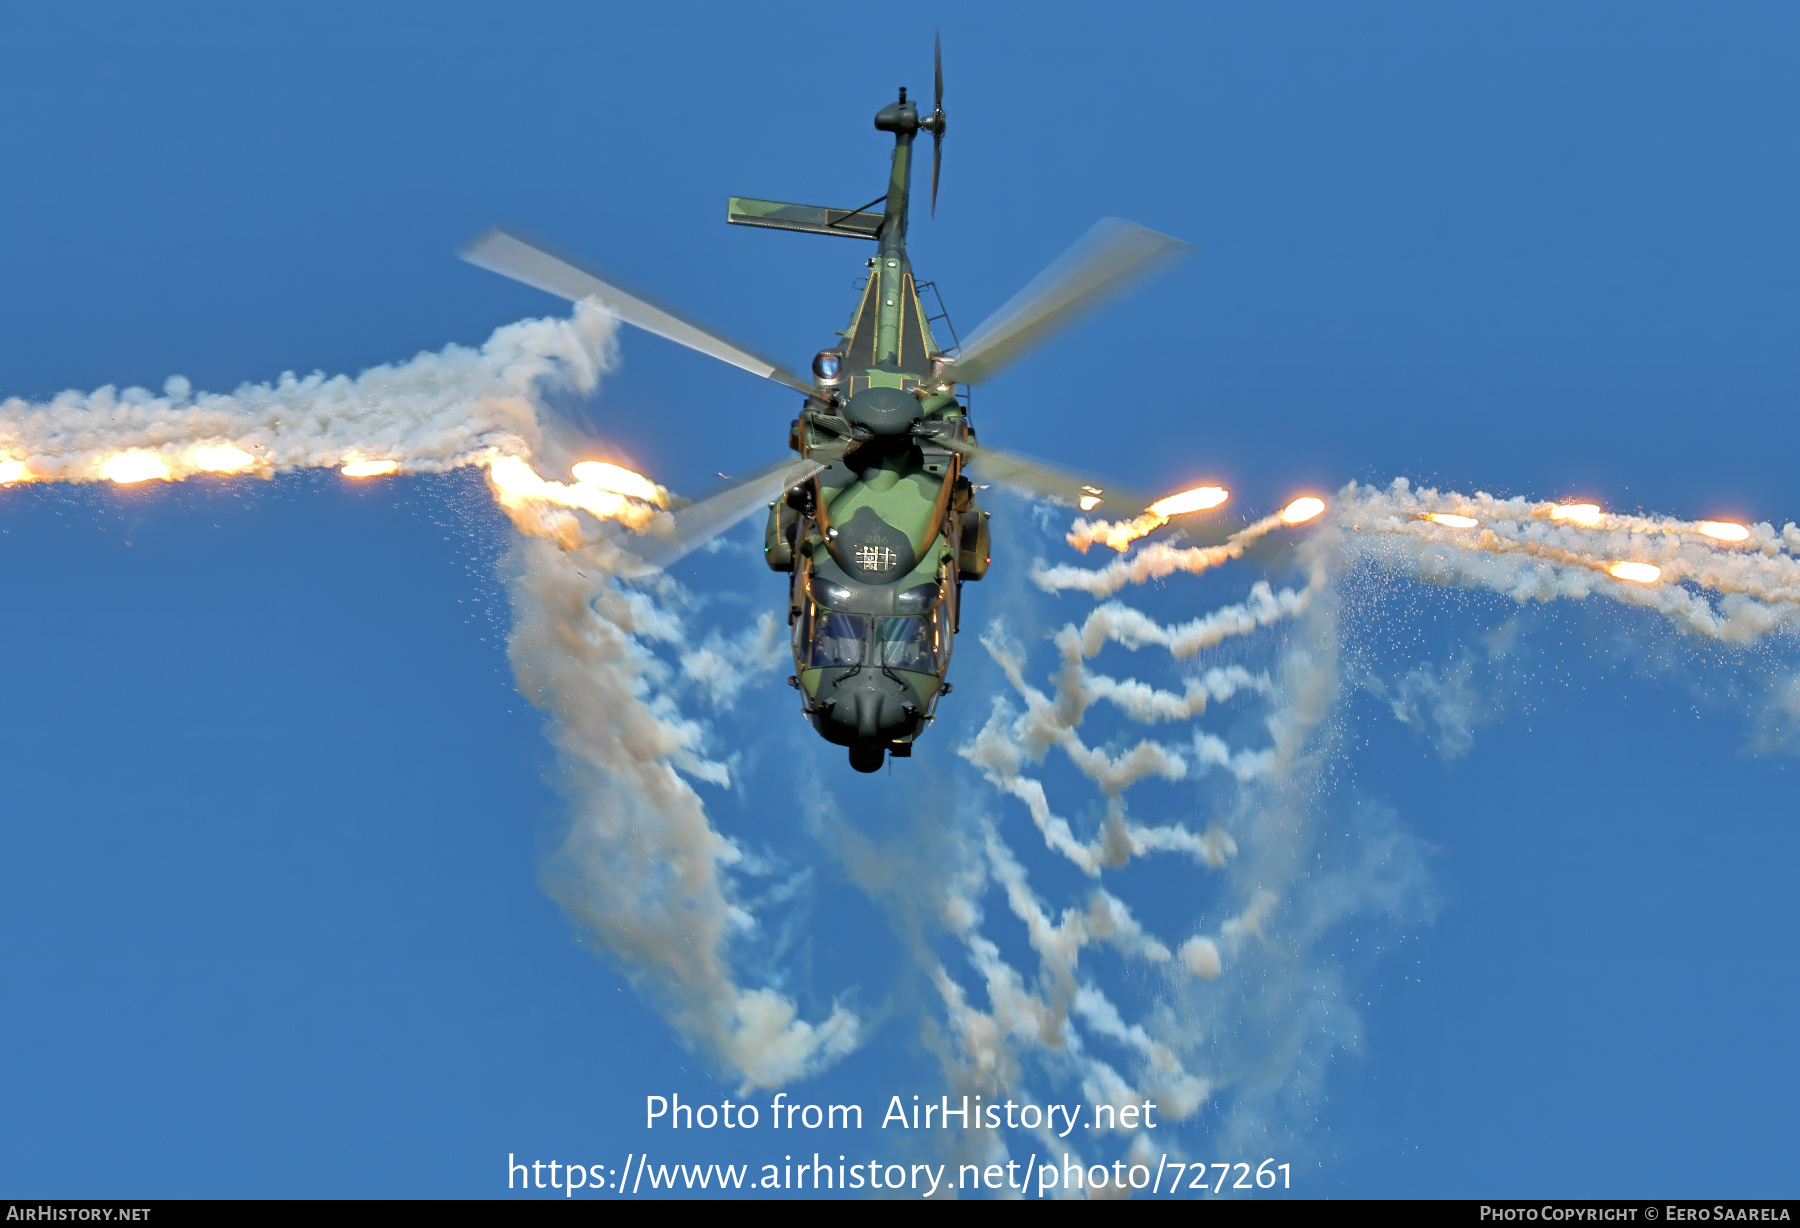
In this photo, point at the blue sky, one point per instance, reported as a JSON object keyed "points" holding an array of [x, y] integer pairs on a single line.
{"points": [[277, 820]]}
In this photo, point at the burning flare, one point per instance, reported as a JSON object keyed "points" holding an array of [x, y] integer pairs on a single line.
{"points": [[128, 467], [1302, 510], [1450, 520], [1120, 535], [13, 471], [1585, 514], [370, 468], [222, 458], [1724, 530], [1196, 500], [618, 480], [1640, 573], [534, 502], [518, 479]]}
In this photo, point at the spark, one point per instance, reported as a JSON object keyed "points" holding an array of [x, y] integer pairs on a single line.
{"points": [[370, 469], [1724, 530], [1450, 520], [1640, 573], [128, 467], [222, 458], [1587, 514], [1302, 509], [616, 479]]}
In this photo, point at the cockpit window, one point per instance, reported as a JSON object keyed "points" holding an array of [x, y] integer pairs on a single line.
{"points": [[838, 639], [904, 643], [823, 639]]}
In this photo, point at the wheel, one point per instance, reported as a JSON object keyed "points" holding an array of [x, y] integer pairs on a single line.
{"points": [[866, 756]]}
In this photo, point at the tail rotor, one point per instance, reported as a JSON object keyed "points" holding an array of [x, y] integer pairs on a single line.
{"points": [[935, 124]]}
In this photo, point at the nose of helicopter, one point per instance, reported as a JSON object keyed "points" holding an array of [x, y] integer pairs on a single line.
{"points": [[869, 715], [868, 711], [875, 709]]}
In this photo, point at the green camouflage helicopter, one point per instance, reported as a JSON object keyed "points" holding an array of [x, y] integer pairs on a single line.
{"points": [[877, 524]]}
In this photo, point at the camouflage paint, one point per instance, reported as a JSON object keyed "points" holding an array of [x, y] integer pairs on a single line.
{"points": [[887, 518]]}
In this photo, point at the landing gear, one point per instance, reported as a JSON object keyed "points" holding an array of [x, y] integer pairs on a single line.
{"points": [[866, 756]]}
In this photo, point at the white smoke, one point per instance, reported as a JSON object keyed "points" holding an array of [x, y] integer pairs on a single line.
{"points": [[1443, 705], [1198, 748], [1521, 550], [434, 413], [1261, 905], [1247, 1006], [642, 869]]}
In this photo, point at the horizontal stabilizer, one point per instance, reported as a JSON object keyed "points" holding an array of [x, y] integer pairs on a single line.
{"points": [[813, 219]]}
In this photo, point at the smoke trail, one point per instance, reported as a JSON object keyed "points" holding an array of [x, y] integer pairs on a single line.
{"points": [[1251, 966], [642, 870], [1523, 551], [1242, 1011], [1200, 746], [1156, 561], [437, 412]]}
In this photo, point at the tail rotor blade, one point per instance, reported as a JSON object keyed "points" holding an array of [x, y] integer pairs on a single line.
{"points": [[937, 60], [508, 254], [1101, 264], [936, 122], [937, 161]]}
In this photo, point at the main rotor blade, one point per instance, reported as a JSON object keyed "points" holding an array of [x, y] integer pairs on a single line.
{"points": [[695, 525], [1114, 502], [1036, 477], [507, 254], [1101, 264]]}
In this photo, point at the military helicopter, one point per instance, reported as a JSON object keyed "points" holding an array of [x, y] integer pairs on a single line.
{"points": [[877, 524]]}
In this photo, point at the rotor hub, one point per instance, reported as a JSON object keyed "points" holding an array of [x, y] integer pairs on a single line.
{"points": [[886, 411]]}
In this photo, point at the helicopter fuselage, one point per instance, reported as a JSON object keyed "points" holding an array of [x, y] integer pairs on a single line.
{"points": [[880, 540], [877, 526]]}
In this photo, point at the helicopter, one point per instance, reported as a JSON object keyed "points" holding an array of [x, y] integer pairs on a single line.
{"points": [[877, 524]]}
